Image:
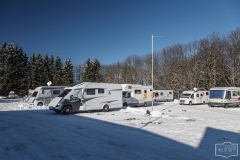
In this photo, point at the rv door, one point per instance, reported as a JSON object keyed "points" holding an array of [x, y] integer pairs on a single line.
{"points": [[75, 99]]}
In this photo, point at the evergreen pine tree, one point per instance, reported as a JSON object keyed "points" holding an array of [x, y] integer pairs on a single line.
{"points": [[52, 67], [87, 71], [33, 72], [40, 68], [23, 72], [11, 69], [58, 76], [68, 72], [47, 69], [3, 83], [95, 70]]}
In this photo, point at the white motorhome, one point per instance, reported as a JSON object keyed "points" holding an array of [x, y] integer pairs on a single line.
{"points": [[136, 95], [194, 97], [163, 95], [43, 95], [88, 96], [224, 97]]}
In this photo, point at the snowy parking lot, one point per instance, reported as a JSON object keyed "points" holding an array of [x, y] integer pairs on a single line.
{"points": [[171, 131]]}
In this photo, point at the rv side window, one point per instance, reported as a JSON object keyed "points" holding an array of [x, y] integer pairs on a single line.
{"points": [[129, 87], [56, 92], [207, 93], [137, 91], [197, 95], [228, 95], [145, 91], [234, 93], [100, 90], [90, 91], [239, 93], [161, 93], [170, 92]]}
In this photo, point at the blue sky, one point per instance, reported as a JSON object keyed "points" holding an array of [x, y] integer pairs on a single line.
{"points": [[111, 30]]}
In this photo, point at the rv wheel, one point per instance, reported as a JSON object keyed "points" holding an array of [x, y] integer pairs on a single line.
{"points": [[40, 104], [67, 110], [190, 103], [105, 108], [145, 104], [124, 104], [203, 102]]}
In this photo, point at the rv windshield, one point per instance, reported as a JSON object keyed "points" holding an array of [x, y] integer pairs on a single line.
{"points": [[34, 94], [186, 95], [217, 94], [64, 93], [126, 95]]}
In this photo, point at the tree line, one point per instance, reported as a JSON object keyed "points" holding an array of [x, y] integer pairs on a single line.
{"points": [[209, 62], [19, 73]]}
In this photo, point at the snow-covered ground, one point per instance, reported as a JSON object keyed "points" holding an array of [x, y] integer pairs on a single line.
{"points": [[172, 131]]}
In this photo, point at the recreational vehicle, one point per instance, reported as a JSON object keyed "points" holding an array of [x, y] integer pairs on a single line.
{"points": [[136, 95], [43, 95], [88, 96], [224, 97], [163, 95], [194, 97]]}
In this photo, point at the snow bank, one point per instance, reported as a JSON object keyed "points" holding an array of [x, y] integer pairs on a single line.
{"points": [[17, 104]]}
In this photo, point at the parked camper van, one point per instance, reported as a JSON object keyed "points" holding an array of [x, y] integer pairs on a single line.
{"points": [[224, 97], [194, 97], [136, 95], [43, 95], [88, 96], [163, 95], [12, 95]]}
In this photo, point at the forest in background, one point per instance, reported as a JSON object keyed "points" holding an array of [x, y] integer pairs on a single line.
{"points": [[209, 62], [19, 73]]}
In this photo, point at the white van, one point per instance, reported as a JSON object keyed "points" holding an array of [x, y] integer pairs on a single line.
{"points": [[194, 97], [12, 95], [163, 95], [88, 96], [224, 97], [44, 95], [136, 95]]}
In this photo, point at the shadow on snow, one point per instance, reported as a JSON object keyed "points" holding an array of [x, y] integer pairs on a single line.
{"points": [[97, 139]]}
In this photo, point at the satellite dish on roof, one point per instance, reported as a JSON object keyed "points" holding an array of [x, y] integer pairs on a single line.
{"points": [[49, 83], [195, 89]]}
